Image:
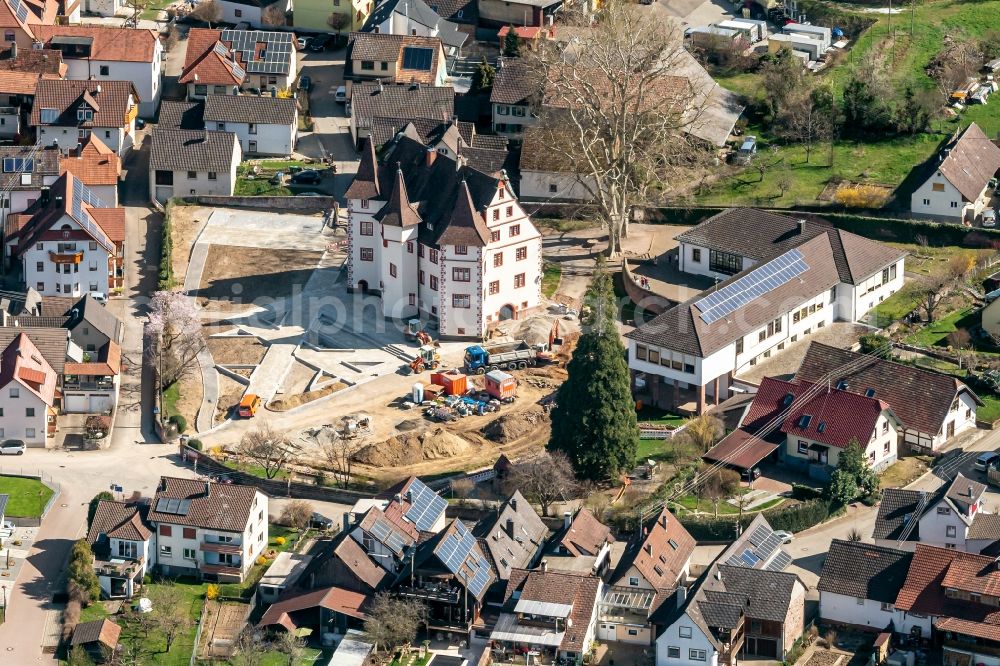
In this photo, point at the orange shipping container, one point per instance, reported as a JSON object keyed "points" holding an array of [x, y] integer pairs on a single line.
{"points": [[454, 382]]}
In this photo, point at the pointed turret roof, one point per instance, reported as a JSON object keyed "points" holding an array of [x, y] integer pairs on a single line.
{"points": [[466, 226], [365, 183], [398, 211]]}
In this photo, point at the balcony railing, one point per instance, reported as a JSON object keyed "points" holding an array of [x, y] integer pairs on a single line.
{"points": [[66, 258], [221, 547], [437, 593], [77, 385]]}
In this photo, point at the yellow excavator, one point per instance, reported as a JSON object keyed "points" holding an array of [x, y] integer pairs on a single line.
{"points": [[427, 358]]}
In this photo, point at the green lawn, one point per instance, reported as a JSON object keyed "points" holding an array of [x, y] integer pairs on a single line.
{"points": [[895, 307], [692, 503], [990, 411], [650, 414], [256, 572], [259, 187], [28, 497], [412, 660], [551, 276], [937, 332], [255, 470], [170, 398]]}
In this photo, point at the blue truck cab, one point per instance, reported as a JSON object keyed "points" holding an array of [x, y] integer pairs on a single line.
{"points": [[475, 357]]}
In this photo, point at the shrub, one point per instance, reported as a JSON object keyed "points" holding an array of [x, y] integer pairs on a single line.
{"points": [[280, 541], [196, 444], [862, 196], [179, 421], [793, 519], [874, 343], [212, 591], [166, 273], [261, 560], [802, 492]]}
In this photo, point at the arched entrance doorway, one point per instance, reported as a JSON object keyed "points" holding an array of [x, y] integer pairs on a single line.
{"points": [[363, 286], [506, 313]]}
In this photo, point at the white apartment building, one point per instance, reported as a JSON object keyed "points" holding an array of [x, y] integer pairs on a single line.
{"points": [[68, 243], [211, 530], [435, 238], [27, 393], [67, 112], [263, 125], [121, 543], [958, 188], [785, 280], [104, 53]]}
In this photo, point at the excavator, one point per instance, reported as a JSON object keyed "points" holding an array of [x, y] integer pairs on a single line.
{"points": [[427, 358]]}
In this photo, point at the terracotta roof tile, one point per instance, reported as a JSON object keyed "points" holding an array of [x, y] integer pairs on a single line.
{"points": [[660, 555], [110, 105], [117, 520], [109, 43], [262, 110], [585, 535], [95, 164], [21, 361], [104, 631], [41, 61], [970, 162]]}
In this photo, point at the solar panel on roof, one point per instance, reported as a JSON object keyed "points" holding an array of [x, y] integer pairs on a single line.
{"points": [[749, 557], [479, 581], [751, 286], [417, 57], [759, 535], [780, 561], [19, 10], [425, 506], [83, 195]]}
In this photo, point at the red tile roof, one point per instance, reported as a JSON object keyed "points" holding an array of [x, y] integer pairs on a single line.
{"points": [[740, 449], [336, 599], [660, 555], [21, 362], [109, 43], [586, 535], [95, 164]]}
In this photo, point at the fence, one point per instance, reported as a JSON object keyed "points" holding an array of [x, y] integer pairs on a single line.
{"points": [[30, 521], [649, 432]]}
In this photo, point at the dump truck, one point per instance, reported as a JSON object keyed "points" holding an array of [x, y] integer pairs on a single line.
{"points": [[480, 359]]}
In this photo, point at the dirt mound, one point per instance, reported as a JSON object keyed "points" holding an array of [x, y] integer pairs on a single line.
{"points": [[514, 425], [413, 448]]}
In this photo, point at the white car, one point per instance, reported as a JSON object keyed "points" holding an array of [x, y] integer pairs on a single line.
{"points": [[12, 447], [99, 297], [786, 537], [340, 97]]}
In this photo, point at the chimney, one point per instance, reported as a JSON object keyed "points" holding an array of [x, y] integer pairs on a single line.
{"points": [[13, 50], [970, 490], [45, 195], [98, 91], [649, 548], [545, 566], [663, 520], [802, 226], [380, 85], [510, 527], [208, 489], [681, 595], [347, 521], [567, 518], [513, 503]]}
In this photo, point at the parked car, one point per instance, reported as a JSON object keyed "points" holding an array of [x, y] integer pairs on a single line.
{"points": [[319, 44], [303, 42], [320, 522], [305, 83], [786, 537], [751, 474], [989, 218], [340, 97], [307, 177], [100, 297], [986, 460], [12, 447]]}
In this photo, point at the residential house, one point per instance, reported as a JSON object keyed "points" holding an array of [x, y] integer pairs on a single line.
{"points": [[97, 167], [282, 576], [373, 99], [92, 386], [654, 564], [955, 592], [329, 610], [104, 53], [734, 612], [69, 242], [53, 344], [211, 530], [345, 564], [859, 585], [67, 112], [757, 547], [258, 13], [227, 62], [960, 185], [314, 15], [452, 138], [511, 539], [497, 13], [434, 237], [187, 115], [108, 8], [529, 36], [546, 175], [263, 125], [513, 98], [956, 516], [189, 163], [26, 171], [463, 13], [581, 538], [20, 72], [414, 17], [98, 638], [548, 612], [121, 542], [931, 407], [450, 575], [817, 422], [27, 393], [689, 356], [395, 59], [19, 20]]}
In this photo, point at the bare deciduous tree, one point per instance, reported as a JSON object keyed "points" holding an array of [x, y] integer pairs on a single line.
{"points": [[267, 447], [392, 622], [296, 513], [544, 479], [171, 612], [175, 328], [208, 11], [274, 15], [292, 646], [703, 432], [808, 117], [249, 649], [618, 113], [338, 21], [931, 290]]}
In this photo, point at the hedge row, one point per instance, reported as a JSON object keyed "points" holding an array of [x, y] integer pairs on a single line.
{"points": [[792, 519], [879, 228], [166, 275]]}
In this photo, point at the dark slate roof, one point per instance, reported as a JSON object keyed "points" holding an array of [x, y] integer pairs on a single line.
{"points": [[513, 537], [46, 163], [970, 161], [259, 109], [864, 571], [513, 83], [104, 631], [398, 211], [110, 105], [88, 310], [189, 150], [459, 11], [769, 592], [898, 508], [371, 99], [365, 184], [920, 398], [419, 12], [218, 506], [50, 342], [985, 526], [181, 115], [430, 130]]}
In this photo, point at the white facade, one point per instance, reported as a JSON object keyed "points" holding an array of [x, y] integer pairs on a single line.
{"points": [[684, 642], [879, 450], [937, 197], [465, 288], [194, 183], [88, 275], [23, 415], [10, 122], [90, 395], [147, 77], [511, 119], [842, 609], [118, 139], [125, 549], [102, 7], [262, 139], [187, 548], [944, 526]]}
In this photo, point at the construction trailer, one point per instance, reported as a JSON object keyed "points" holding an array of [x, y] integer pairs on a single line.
{"points": [[750, 31], [818, 32], [453, 382], [713, 37], [500, 385], [810, 49], [762, 31]]}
